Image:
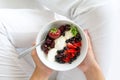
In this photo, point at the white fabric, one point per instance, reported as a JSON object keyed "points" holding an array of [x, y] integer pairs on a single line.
{"points": [[9, 65], [18, 4], [24, 23], [94, 15], [19, 28]]}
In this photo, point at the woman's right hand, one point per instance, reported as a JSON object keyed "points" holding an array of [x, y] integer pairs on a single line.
{"points": [[41, 71]]}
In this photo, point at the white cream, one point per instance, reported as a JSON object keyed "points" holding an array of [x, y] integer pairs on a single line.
{"points": [[60, 43], [68, 35], [51, 55]]}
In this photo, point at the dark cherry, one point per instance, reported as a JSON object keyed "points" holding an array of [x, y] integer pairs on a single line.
{"points": [[46, 51], [52, 44], [44, 47], [62, 28], [48, 41]]}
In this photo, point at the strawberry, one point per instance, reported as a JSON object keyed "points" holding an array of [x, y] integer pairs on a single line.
{"points": [[71, 51], [67, 59], [54, 33], [78, 44], [69, 45]]}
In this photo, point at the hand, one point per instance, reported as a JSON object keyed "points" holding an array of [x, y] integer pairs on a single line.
{"points": [[90, 58], [41, 72], [90, 66]]}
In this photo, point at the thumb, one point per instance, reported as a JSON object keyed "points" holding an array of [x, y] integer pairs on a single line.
{"points": [[35, 57]]}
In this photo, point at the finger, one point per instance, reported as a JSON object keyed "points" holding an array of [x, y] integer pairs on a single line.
{"points": [[35, 56], [90, 48], [89, 40]]}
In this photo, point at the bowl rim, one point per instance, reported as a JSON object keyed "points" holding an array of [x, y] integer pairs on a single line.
{"points": [[61, 69]]}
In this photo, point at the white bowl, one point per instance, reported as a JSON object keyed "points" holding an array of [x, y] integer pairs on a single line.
{"points": [[54, 65]]}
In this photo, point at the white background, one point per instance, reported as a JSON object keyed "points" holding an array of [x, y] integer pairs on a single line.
{"points": [[114, 72]]}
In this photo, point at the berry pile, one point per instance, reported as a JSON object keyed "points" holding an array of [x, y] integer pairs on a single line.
{"points": [[48, 44], [70, 52], [72, 49]]}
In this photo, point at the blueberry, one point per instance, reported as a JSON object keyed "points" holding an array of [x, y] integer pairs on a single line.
{"points": [[60, 51], [63, 33], [77, 48], [61, 61], [78, 36], [70, 62], [67, 27], [57, 58], [73, 38], [78, 53], [68, 40]]}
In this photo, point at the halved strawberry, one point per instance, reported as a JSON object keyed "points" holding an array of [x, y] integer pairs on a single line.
{"points": [[54, 33], [69, 45], [71, 51], [67, 59], [78, 44], [72, 55]]}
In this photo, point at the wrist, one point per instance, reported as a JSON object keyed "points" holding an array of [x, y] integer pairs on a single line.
{"points": [[92, 68], [39, 74], [94, 73], [43, 75]]}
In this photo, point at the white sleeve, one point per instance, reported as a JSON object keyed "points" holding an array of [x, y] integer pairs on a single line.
{"points": [[11, 68], [94, 15], [23, 25]]}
